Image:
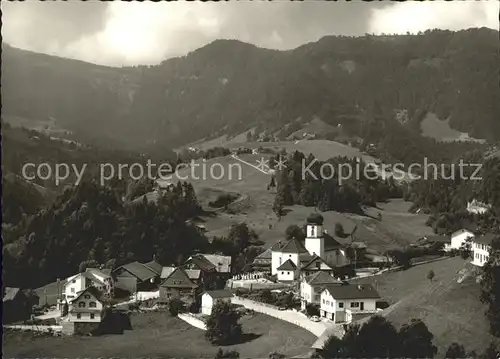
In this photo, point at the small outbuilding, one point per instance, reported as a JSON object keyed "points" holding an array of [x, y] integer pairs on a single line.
{"points": [[210, 298]]}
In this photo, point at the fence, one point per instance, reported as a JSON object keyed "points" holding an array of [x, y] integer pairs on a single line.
{"points": [[296, 318]]}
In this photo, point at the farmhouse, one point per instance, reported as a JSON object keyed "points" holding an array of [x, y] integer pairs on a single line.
{"points": [[263, 261], [317, 244], [458, 238], [477, 207], [340, 302], [315, 265], [178, 285], [87, 306], [210, 298], [481, 247], [81, 281], [135, 276], [312, 286], [207, 271]]}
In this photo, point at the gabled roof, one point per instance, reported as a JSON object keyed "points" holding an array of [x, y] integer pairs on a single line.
{"points": [[288, 266], [138, 270], [485, 239], [267, 255], [311, 265], [216, 294], [154, 266], [352, 291], [293, 246], [201, 262], [321, 278], [166, 271], [90, 290], [10, 293], [276, 247], [222, 263], [178, 279], [193, 273]]}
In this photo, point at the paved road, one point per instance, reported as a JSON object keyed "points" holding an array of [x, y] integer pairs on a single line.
{"points": [[49, 315]]}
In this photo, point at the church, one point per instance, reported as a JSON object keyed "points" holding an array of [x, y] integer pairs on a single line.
{"points": [[320, 252]]}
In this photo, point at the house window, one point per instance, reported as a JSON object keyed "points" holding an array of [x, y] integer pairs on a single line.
{"points": [[73, 281], [92, 305], [341, 304], [323, 301], [78, 315], [318, 264], [86, 296], [288, 273], [282, 273], [354, 304], [72, 290], [289, 256], [81, 305], [92, 315]]}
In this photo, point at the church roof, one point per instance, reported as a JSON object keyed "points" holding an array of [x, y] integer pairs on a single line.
{"points": [[293, 246], [315, 218]]}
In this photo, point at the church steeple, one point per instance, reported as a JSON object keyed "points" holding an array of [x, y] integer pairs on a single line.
{"points": [[314, 235]]}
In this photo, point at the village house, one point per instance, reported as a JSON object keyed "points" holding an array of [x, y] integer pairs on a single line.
{"points": [[263, 261], [316, 264], [340, 302], [16, 305], [85, 312], [477, 207], [318, 243], [207, 271], [287, 272], [312, 285], [458, 238], [178, 285], [481, 247], [210, 298], [136, 276], [81, 281]]}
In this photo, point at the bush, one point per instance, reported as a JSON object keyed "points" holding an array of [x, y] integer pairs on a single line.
{"points": [[232, 354], [312, 309], [175, 306], [222, 325]]}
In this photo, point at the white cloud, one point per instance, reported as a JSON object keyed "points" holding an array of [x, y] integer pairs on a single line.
{"points": [[419, 16]]}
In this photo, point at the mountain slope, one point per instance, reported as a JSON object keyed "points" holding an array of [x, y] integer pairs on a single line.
{"points": [[229, 86]]}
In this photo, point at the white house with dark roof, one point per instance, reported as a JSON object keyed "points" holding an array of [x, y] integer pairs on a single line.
{"points": [[287, 272], [340, 302], [312, 285], [316, 264], [86, 306], [81, 281], [481, 247], [210, 298], [458, 238]]}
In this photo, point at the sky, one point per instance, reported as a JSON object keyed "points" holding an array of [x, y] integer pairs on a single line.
{"points": [[132, 33]]}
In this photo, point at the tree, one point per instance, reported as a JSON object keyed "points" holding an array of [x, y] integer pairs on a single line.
{"points": [[430, 275], [276, 355], [294, 231], [377, 339], [312, 309], [455, 351], [240, 236], [230, 354], [416, 340], [175, 306], [465, 249], [222, 325], [491, 352], [87, 264], [278, 208], [490, 287]]}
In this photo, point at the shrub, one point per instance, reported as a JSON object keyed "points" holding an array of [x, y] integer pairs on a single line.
{"points": [[312, 309], [175, 306]]}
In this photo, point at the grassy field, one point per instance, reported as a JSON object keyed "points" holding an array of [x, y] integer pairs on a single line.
{"points": [[451, 310], [160, 335]]}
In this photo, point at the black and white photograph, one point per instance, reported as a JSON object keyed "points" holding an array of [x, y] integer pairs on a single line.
{"points": [[250, 179]]}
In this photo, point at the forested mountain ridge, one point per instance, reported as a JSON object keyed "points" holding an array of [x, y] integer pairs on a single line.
{"points": [[229, 86]]}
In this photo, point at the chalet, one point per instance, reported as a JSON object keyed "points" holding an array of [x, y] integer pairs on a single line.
{"points": [[481, 247], [340, 302], [207, 275], [16, 305], [87, 306], [210, 298], [222, 263], [178, 285], [92, 277], [135, 276], [312, 285], [458, 238]]}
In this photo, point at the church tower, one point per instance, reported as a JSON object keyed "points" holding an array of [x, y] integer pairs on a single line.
{"points": [[315, 242]]}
